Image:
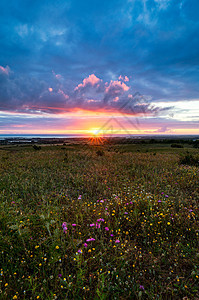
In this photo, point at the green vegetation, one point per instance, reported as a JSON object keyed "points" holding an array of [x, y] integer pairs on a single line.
{"points": [[99, 222]]}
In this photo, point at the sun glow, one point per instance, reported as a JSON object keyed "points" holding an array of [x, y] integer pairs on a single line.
{"points": [[96, 137], [95, 131]]}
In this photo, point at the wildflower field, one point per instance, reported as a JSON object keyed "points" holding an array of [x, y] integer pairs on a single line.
{"points": [[98, 222]]}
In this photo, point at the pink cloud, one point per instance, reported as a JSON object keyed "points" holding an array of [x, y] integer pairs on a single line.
{"points": [[57, 76], [125, 78], [5, 70], [50, 89], [63, 94], [90, 80], [117, 86], [115, 89]]}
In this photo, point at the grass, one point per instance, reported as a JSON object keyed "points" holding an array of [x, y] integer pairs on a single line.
{"points": [[140, 209]]}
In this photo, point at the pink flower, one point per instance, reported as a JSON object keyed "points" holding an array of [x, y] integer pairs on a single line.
{"points": [[117, 241], [64, 227], [85, 245], [91, 225], [80, 197], [106, 228], [97, 225], [74, 225], [79, 251], [90, 240], [100, 220]]}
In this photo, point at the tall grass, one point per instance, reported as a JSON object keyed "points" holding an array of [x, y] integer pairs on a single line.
{"points": [[76, 224]]}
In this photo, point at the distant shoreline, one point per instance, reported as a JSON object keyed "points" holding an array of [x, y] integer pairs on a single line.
{"points": [[68, 139]]}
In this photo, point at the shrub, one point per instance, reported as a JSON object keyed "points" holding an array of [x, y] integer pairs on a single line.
{"points": [[35, 147], [177, 146], [100, 152], [189, 159]]}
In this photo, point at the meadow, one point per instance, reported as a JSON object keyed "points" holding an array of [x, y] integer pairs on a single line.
{"points": [[98, 222]]}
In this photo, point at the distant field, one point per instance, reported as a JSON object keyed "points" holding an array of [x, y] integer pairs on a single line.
{"points": [[113, 221]]}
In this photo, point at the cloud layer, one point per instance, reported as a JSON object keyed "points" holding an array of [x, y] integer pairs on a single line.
{"points": [[29, 95]]}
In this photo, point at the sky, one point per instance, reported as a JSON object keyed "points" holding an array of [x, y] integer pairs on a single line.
{"points": [[97, 66]]}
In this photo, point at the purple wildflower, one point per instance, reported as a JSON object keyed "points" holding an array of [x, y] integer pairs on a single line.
{"points": [[117, 241], [64, 227], [74, 225], [91, 225], [90, 240], [85, 245], [100, 220], [80, 197], [142, 287], [60, 275], [106, 228]]}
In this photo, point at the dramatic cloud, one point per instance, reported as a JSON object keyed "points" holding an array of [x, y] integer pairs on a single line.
{"points": [[95, 55], [19, 94]]}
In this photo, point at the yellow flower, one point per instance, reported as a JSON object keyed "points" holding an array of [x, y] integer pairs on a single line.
{"points": [[57, 247], [6, 284]]}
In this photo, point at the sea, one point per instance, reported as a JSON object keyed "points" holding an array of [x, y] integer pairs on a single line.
{"points": [[43, 136]]}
